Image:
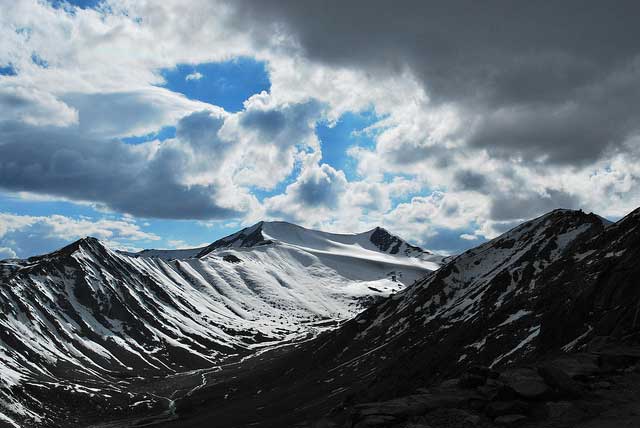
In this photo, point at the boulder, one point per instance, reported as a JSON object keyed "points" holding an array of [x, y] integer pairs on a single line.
{"points": [[451, 418], [510, 420], [615, 358], [449, 383], [488, 392], [501, 408], [413, 405], [560, 381], [563, 412], [375, 421], [578, 366], [483, 371], [230, 258], [470, 380], [602, 385], [525, 383]]}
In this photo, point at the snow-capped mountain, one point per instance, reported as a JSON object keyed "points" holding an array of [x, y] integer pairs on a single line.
{"points": [[85, 316], [560, 285], [486, 306], [357, 245], [563, 283]]}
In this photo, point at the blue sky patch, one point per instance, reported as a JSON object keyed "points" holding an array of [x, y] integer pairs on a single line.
{"points": [[449, 241], [82, 4], [8, 70], [192, 233], [225, 84], [39, 61], [345, 133], [43, 208]]}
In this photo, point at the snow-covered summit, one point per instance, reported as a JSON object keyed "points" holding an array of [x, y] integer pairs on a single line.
{"points": [[354, 255], [369, 245]]}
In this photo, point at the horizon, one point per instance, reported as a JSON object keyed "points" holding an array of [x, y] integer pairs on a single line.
{"points": [[151, 126], [205, 244]]}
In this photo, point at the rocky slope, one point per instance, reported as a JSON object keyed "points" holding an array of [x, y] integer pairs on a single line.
{"points": [[84, 323], [560, 291]]}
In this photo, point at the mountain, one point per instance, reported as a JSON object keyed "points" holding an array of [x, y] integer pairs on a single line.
{"points": [[538, 326], [83, 323], [376, 240]]}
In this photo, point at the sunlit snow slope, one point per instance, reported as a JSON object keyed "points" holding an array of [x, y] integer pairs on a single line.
{"points": [[87, 313]]}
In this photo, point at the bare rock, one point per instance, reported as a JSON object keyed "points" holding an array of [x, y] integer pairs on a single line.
{"points": [[375, 421], [578, 366], [471, 380], [525, 383], [560, 381], [509, 420], [501, 408], [563, 412]]}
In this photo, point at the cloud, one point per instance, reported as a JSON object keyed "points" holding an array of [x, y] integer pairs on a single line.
{"points": [[202, 173], [522, 207], [557, 82], [319, 187], [35, 107], [72, 228], [488, 112], [469, 180], [7, 253], [140, 112], [146, 180], [194, 76], [23, 235], [272, 137], [316, 192]]}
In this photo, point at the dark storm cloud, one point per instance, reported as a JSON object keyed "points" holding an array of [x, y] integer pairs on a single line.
{"points": [[469, 180], [61, 162], [508, 206], [540, 80]]}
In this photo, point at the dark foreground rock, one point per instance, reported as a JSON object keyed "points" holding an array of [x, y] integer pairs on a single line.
{"points": [[542, 396]]}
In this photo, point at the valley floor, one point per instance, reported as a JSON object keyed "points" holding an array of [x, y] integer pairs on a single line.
{"points": [[584, 390]]}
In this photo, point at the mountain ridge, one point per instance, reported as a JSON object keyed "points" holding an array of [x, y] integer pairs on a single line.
{"points": [[547, 289], [561, 287], [86, 316]]}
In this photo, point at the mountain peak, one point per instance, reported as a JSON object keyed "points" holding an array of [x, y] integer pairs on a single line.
{"points": [[247, 237], [88, 244], [376, 240]]}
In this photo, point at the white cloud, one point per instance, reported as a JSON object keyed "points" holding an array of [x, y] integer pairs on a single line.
{"points": [[35, 107], [7, 253], [58, 226], [194, 76]]}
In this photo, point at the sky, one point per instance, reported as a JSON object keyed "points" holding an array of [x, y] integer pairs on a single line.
{"points": [[164, 125]]}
